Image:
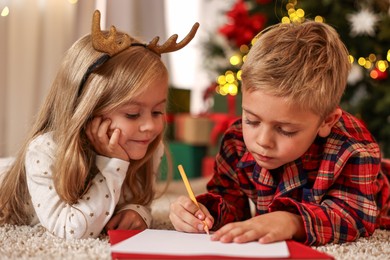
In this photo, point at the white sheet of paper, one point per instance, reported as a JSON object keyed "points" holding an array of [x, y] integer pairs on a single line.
{"points": [[170, 242]]}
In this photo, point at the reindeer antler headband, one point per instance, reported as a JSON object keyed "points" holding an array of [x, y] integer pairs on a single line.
{"points": [[111, 46]]}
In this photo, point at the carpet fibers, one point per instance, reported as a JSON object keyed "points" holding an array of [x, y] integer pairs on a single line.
{"points": [[25, 242]]}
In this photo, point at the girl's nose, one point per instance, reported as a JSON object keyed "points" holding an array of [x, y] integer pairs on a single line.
{"points": [[147, 124]]}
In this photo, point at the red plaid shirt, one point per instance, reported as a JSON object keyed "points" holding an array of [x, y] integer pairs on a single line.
{"points": [[337, 185]]}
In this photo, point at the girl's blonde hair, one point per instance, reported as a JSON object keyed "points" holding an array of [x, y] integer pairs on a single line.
{"points": [[122, 78], [306, 63]]}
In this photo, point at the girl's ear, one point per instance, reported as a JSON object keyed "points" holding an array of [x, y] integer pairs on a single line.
{"points": [[329, 122]]}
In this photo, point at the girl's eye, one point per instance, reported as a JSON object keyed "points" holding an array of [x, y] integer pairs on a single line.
{"points": [[157, 113], [287, 133], [253, 123], [132, 116]]}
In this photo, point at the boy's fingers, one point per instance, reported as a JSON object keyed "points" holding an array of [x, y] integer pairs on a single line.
{"points": [[188, 204], [181, 225], [270, 238], [186, 216]]}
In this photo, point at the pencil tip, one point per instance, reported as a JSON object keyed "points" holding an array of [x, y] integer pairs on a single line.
{"points": [[206, 228]]}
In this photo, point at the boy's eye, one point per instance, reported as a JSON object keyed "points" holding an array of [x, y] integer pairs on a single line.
{"points": [[286, 133], [132, 116]]}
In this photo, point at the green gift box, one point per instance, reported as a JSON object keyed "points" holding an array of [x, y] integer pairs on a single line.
{"points": [[227, 104], [190, 156], [178, 100]]}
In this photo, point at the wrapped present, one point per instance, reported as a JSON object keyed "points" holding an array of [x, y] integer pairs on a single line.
{"points": [[194, 130], [178, 100], [227, 104], [208, 166], [170, 127], [221, 123], [190, 156]]}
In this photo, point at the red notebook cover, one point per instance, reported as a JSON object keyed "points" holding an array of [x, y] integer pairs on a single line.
{"points": [[297, 250]]}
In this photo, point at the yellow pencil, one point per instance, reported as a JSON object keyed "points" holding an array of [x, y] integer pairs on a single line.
{"points": [[190, 192]]}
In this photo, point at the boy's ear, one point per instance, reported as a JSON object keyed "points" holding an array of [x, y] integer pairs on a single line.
{"points": [[329, 122]]}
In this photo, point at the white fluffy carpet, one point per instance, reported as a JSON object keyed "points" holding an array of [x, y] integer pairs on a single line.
{"points": [[26, 242]]}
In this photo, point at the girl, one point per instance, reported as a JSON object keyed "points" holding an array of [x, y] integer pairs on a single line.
{"points": [[92, 155]]}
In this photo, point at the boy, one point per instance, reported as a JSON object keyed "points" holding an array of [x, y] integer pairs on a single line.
{"points": [[312, 170]]}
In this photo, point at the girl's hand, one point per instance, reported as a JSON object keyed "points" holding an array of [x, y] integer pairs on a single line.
{"points": [[267, 228], [104, 144], [187, 217], [126, 220]]}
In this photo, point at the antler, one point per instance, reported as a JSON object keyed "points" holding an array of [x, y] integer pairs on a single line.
{"points": [[170, 45], [107, 44]]}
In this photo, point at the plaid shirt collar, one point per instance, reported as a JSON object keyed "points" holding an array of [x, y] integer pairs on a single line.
{"points": [[295, 174]]}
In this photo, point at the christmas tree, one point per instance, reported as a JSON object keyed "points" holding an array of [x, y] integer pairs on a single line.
{"points": [[363, 25]]}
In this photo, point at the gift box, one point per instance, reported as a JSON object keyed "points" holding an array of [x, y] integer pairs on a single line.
{"points": [[190, 156], [227, 104], [178, 100], [169, 133], [194, 130], [221, 122], [208, 166]]}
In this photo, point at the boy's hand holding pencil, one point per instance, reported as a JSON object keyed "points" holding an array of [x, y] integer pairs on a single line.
{"points": [[185, 216]]}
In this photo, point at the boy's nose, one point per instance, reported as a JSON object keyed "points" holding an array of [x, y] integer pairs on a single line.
{"points": [[264, 137]]}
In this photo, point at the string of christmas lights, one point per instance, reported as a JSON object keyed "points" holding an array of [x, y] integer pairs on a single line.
{"points": [[229, 82]]}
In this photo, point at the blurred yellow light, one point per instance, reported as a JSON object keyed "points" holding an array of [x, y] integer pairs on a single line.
{"points": [[239, 74], [244, 48], [381, 65], [293, 15], [244, 58], [368, 64], [230, 78], [235, 60], [300, 13], [294, 2], [228, 72], [372, 57], [73, 1], [221, 80], [296, 19], [5, 11], [223, 90], [285, 19], [289, 6], [351, 58], [361, 61], [290, 11], [254, 40], [217, 89], [388, 55], [232, 89], [319, 19]]}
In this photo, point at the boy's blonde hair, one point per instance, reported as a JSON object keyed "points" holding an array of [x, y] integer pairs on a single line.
{"points": [[122, 78], [306, 63]]}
